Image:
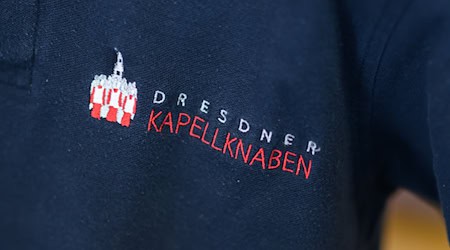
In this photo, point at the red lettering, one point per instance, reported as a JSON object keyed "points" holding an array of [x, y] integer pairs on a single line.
{"points": [[204, 133], [214, 141], [227, 145], [301, 162], [240, 146], [259, 156], [274, 158], [195, 125], [180, 123], [167, 121], [287, 160], [233, 146], [151, 121]]}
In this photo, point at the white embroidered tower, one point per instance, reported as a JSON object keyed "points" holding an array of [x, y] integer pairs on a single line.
{"points": [[112, 97], [118, 66]]}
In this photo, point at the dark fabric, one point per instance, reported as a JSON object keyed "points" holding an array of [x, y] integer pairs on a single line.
{"points": [[367, 81]]}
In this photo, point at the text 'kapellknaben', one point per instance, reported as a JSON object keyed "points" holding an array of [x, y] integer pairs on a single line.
{"points": [[163, 121]]}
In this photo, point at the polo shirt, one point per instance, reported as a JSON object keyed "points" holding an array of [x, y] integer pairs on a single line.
{"points": [[250, 125]]}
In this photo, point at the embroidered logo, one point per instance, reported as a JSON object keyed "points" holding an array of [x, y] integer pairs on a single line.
{"points": [[112, 97], [115, 99]]}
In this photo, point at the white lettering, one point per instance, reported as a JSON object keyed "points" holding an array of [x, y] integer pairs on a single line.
{"points": [[181, 99], [241, 128], [288, 139], [267, 135], [312, 146], [204, 107], [224, 114], [159, 93]]}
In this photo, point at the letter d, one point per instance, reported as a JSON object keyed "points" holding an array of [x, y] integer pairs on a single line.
{"points": [[244, 126], [159, 94]]}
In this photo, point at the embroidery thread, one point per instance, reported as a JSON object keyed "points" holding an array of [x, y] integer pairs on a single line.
{"points": [[112, 97]]}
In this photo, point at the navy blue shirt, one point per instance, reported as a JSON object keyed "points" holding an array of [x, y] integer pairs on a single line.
{"points": [[255, 125]]}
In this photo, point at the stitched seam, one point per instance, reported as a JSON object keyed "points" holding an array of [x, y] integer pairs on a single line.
{"points": [[378, 66], [377, 70], [371, 38]]}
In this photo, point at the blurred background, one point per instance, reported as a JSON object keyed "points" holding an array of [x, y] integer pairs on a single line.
{"points": [[413, 224]]}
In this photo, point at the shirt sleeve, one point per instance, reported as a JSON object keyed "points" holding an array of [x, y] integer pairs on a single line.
{"points": [[438, 104], [411, 103]]}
